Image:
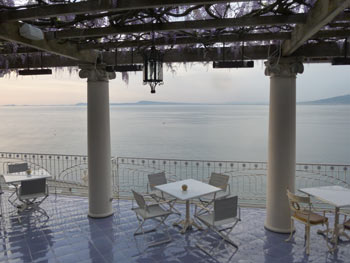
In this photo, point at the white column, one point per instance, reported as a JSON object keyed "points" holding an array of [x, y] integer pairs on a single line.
{"points": [[99, 146], [281, 142]]}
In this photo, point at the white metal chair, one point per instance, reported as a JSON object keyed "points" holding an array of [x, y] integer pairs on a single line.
{"points": [[303, 212], [221, 220], [345, 226], [11, 169], [17, 167], [31, 194], [145, 212], [156, 179], [217, 180]]}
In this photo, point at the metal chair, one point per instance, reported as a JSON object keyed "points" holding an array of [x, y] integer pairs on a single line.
{"points": [[11, 169], [159, 179], [302, 211], [145, 212], [31, 194], [345, 226], [221, 220], [217, 180], [17, 167]]}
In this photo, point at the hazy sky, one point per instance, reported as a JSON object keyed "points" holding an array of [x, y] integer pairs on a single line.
{"points": [[193, 83]]}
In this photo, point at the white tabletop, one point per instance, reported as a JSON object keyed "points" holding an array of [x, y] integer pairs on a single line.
{"points": [[335, 195], [194, 189], [23, 176]]}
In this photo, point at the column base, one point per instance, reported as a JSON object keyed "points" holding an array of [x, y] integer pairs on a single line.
{"points": [[100, 215], [278, 230]]}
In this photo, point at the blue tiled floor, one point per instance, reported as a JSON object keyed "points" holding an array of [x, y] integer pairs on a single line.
{"points": [[70, 236]]}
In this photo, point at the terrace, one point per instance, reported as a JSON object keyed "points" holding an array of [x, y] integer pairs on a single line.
{"points": [[70, 236], [107, 36]]}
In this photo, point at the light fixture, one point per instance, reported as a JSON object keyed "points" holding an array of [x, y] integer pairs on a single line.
{"points": [[28, 72], [126, 67], [153, 68], [41, 71], [342, 60], [233, 63], [31, 32]]}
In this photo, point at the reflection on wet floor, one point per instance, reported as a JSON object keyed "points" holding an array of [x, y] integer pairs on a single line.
{"points": [[70, 236]]}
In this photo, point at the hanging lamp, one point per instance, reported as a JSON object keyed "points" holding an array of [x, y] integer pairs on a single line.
{"points": [[153, 67]]}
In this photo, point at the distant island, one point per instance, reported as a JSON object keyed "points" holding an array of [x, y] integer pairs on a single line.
{"points": [[339, 100], [146, 102]]}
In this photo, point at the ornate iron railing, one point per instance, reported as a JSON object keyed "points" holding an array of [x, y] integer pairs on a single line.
{"points": [[247, 179], [69, 172]]}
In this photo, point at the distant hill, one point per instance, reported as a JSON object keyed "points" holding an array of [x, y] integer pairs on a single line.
{"points": [[339, 100], [145, 102]]}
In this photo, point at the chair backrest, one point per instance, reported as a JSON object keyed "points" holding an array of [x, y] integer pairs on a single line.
{"points": [[139, 200], [33, 187], [219, 180], [225, 208], [296, 202], [17, 167], [156, 179]]}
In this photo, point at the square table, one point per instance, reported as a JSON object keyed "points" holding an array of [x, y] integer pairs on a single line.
{"points": [[194, 189], [335, 195], [15, 178]]}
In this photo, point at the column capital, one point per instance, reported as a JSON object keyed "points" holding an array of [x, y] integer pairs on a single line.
{"points": [[284, 67], [95, 73]]}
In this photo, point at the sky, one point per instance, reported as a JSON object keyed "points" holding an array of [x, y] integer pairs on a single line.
{"points": [[196, 83]]}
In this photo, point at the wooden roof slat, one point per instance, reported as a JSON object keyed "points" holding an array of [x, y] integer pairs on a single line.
{"points": [[191, 40], [183, 25], [93, 6], [323, 12], [310, 52]]}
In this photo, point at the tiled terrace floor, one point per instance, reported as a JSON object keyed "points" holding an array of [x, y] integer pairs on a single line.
{"points": [[70, 236]]}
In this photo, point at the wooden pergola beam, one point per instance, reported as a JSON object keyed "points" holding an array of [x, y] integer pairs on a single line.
{"points": [[190, 40], [93, 6], [183, 25], [312, 53], [215, 39], [10, 32], [323, 12]]}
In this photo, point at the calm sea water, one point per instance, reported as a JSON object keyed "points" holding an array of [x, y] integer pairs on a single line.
{"points": [[230, 132]]}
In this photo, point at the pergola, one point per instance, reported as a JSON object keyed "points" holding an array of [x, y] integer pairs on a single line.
{"points": [[99, 36]]}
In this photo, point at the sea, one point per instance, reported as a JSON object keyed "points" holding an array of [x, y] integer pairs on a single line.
{"points": [[188, 132]]}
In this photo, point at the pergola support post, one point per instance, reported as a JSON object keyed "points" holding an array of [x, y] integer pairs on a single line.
{"points": [[281, 141], [99, 147]]}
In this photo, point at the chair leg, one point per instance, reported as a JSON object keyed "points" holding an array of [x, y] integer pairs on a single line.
{"points": [[198, 244], [223, 233], [172, 207], [307, 228], [291, 230], [143, 231], [141, 222], [166, 231]]}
